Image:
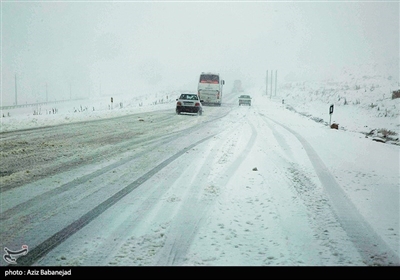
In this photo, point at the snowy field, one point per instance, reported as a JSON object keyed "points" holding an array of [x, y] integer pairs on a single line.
{"points": [[81, 110]]}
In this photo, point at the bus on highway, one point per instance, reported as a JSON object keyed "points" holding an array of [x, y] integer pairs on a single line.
{"points": [[209, 88]]}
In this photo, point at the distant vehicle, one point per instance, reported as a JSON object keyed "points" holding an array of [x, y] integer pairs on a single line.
{"points": [[209, 88], [245, 100], [189, 103], [237, 86]]}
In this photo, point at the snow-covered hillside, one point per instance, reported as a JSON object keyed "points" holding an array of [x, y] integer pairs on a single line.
{"points": [[362, 99]]}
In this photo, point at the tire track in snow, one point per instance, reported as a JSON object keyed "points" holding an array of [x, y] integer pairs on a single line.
{"points": [[287, 222], [372, 248], [257, 235], [180, 193], [328, 233], [184, 198], [178, 243]]}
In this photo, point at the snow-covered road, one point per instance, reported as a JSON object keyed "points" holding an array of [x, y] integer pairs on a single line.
{"points": [[238, 186]]}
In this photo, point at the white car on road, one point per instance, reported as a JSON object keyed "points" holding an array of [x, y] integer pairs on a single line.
{"points": [[189, 103]]}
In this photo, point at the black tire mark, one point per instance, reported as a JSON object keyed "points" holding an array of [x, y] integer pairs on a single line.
{"points": [[52, 242], [372, 248]]}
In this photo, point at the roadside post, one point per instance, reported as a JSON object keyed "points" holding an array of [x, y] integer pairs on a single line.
{"points": [[330, 114], [112, 102]]}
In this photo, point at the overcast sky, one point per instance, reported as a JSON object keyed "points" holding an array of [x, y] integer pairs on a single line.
{"points": [[89, 48]]}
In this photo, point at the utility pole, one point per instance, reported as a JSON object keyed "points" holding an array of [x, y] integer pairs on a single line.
{"points": [[16, 103], [272, 74]]}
